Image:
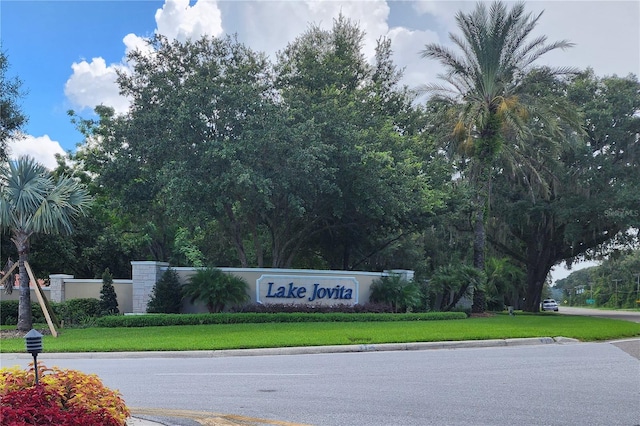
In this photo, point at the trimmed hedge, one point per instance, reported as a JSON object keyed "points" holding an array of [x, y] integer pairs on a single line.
{"points": [[156, 320]]}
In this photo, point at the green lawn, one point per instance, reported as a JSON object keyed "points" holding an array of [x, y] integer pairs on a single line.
{"points": [[239, 336]]}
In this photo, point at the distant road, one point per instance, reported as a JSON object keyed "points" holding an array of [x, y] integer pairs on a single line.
{"points": [[621, 315]]}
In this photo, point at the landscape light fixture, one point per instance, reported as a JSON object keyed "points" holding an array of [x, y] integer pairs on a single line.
{"points": [[33, 340]]}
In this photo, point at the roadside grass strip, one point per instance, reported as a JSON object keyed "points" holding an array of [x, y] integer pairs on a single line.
{"points": [[274, 335]]}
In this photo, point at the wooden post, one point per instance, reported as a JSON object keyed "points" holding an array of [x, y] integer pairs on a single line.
{"points": [[41, 299]]}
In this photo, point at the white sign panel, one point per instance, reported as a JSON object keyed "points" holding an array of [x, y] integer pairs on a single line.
{"points": [[300, 289]]}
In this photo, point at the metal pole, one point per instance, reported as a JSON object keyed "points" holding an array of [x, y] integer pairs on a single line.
{"points": [[35, 365]]}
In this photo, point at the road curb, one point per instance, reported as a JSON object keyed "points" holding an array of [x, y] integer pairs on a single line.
{"points": [[171, 417], [305, 350]]}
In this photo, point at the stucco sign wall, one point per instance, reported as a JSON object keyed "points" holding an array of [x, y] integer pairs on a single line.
{"points": [[301, 289]]}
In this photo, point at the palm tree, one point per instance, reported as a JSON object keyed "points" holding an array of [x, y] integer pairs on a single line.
{"points": [[485, 88], [33, 202], [216, 289]]}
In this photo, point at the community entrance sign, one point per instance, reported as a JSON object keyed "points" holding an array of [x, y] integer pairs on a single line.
{"points": [[301, 289]]}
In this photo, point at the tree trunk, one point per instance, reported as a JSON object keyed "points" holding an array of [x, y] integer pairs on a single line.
{"points": [[456, 298], [257, 244], [535, 283], [235, 233], [479, 239], [25, 320], [539, 263]]}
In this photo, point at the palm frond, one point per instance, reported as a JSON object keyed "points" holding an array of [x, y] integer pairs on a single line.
{"points": [[32, 202]]}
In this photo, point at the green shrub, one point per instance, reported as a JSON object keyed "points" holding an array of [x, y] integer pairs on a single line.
{"points": [[108, 297], [216, 289], [79, 311], [166, 297], [156, 320], [400, 294], [451, 283], [9, 312]]}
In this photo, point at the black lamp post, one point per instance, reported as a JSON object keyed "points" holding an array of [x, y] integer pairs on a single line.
{"points": [[34, 345]]}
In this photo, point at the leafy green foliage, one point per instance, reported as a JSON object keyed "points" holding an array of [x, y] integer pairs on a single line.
{"points": [[450, 283], [32, 201], [488, 102], [592, 203], [77, 312], [11, 117], [9, 312], [166, 297], [372, 189], [399, 293], [282, 164], [108, 297], [615, 283], [505, 284], [216, 289]]}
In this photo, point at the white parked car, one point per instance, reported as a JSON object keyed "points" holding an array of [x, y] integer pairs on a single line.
{"points": [[549, 305]]}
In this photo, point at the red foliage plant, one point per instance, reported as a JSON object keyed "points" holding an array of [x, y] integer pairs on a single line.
{"points": [[62, 398]]}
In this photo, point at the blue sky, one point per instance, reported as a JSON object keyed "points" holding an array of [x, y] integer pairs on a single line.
{"points": [[43, 38], [66, 52]]}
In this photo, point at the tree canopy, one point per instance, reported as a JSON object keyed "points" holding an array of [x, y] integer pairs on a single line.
{"points": [[588, 209], [484, 89], [307, 155], [320, 158], [11, 116]]}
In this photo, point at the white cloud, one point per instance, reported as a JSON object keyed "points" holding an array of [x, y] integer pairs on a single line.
{"points": [[444, 11], [269, 26], [133, 42], [606, 34], [41, 148], [607, 37], [406, 45], [94, 83], [177, 20]]}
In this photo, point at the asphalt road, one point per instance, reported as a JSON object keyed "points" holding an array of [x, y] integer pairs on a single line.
{"points": [[621, 315], [546, 384]]}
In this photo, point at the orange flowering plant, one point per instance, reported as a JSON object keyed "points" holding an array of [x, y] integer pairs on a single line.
{"points": [[63, 393]]}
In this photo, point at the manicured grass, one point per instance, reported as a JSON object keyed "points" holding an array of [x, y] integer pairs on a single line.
{"points": [[239, 336]]}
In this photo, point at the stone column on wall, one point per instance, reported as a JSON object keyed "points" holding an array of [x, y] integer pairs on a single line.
{"points": [[144, 275], [56, 285]]}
